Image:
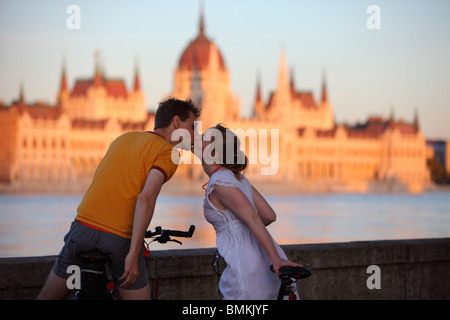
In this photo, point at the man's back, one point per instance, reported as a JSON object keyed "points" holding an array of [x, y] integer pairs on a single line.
{"points": [[110, 200]]}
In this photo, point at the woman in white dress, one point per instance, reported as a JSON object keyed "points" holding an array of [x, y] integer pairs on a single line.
{"points": [[239, 215]]}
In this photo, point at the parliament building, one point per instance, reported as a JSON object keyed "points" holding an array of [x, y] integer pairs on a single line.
{"points": [[57, 148]]}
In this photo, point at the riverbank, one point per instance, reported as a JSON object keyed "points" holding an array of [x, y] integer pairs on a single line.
{"points": [[187, 187]]}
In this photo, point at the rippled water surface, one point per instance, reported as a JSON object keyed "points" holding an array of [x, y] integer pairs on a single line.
{"points": [[33, 225]]}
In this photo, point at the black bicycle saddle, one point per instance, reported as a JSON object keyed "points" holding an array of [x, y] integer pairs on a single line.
{"points": [[294, 272]]}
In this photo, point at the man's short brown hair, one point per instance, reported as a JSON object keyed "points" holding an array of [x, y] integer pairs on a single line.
{"points": [[172, 107]]}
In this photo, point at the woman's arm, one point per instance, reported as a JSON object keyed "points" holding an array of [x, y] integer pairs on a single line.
{"points": [[233, 199], [265, 211]]}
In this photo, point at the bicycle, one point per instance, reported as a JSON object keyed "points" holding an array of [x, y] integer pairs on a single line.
{"points": [[96, 279]]}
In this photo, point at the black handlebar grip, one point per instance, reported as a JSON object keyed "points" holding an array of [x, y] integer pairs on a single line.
{"points": [[148, 234], [184, 234], [191, 230]]}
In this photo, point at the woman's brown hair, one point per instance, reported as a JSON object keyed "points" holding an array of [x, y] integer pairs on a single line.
{"points": [[237, 161]]}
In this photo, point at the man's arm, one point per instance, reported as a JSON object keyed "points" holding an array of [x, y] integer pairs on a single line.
{"points": [[145, 206]]}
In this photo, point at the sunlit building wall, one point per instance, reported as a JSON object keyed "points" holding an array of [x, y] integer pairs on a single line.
{"points": [[315, 153], [58, 148]]}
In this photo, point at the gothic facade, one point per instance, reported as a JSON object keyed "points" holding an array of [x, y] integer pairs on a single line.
{"points": [[313, 152], [290, 139], [51, 148]]}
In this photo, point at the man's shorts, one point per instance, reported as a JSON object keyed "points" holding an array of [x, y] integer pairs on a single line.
{"points": [[83, 238]]}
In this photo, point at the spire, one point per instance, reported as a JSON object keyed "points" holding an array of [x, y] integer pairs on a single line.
{"points": [[292, 81], [137, 82], [21, 94], [324, 89], [201, 24], [21, 101], [416, 118], [63, 92], [258, 89], [63, 86], [98, 75], [258, 107], [391, 120], [392, 115]]}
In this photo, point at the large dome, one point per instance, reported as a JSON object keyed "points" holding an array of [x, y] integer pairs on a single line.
{"points": [[198, 54]]}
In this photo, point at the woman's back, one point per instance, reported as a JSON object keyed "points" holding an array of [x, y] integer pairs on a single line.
{"points": [[247, 275]]}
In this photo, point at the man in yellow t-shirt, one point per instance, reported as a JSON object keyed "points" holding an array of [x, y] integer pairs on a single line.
{"points": [[110, 201], [118, 206]]}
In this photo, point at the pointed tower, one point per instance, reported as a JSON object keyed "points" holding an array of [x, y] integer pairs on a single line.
{"points": [[325, 109], [283, 77], [21, 100], [136, 107], [21, 94], [258, 107], [258, 89], [279, 107], [202, 75], [63, 85], [137, 82], [392, 114], [324, 89], [416, 120], [63, 93], [98, 81], [292, 82], [201, 24]]}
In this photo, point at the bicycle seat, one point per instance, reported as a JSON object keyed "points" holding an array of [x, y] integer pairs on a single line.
{"points": [[94, 255], [294, 272]]}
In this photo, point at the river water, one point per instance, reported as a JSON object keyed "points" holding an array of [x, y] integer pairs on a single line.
{"points": [[34, 225]]}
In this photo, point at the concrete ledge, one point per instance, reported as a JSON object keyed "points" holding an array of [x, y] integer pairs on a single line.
{"points": [[410, 269]]}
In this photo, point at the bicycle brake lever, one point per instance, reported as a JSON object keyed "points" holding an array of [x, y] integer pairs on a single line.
{"points": [[175, 241]]}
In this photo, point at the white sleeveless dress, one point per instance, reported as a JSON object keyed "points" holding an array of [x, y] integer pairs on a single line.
{"points": [[247, 275]]}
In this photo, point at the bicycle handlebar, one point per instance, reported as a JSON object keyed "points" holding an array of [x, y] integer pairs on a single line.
{"points": [[169, 233]]}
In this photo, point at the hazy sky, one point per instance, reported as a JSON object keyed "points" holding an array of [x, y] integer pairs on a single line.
{"points": [[403, 66]]}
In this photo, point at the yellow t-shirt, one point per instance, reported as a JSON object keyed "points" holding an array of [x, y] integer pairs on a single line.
{"points": [[110, 200]]}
